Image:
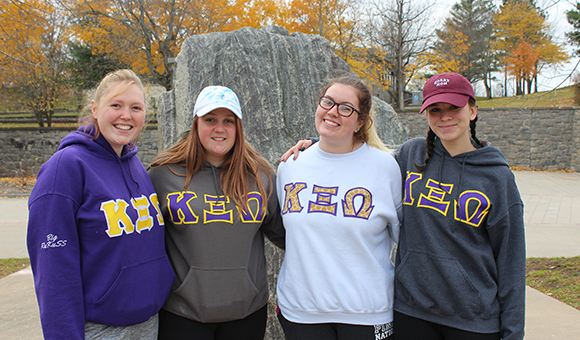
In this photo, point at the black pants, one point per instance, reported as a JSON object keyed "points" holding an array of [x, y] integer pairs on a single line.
{"points": [[410, 328], [175, 327], [334, 331]]}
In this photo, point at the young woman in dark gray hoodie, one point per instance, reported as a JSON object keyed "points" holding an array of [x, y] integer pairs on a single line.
{"points": [[460, 270]]}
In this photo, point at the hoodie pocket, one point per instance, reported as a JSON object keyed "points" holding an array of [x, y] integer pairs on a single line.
{"points": [[437, 284], [218, 295], [138, 292]]}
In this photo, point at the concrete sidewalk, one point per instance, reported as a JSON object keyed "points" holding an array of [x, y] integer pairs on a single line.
{"points": [[552, 216]]}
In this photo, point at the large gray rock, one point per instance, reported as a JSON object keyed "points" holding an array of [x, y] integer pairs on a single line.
{"points": [[277, 78]]}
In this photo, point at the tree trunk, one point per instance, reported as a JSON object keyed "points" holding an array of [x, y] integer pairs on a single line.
{"points": [[505, 86], [487, 84], [38, 114], [401, 85]]}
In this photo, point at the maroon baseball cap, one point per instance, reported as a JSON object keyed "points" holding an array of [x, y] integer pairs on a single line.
{"points": [[450, 88]]}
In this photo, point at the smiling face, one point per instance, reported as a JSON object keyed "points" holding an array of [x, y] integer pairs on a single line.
{"points": [[217, 134], [336, 131], [120, 118], [451, 124]]}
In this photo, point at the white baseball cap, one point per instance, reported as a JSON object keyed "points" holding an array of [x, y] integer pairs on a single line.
{"points": [[215, 97]]}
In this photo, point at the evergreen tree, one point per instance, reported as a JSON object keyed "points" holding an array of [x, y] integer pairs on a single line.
{"points": [[465, 42], [87, 69], [574, 20]]}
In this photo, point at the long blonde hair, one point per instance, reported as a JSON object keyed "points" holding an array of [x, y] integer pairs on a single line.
{"points": [[243, 163]]}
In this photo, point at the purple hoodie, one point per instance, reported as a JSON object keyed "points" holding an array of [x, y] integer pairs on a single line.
{"points": [[95, 239]]}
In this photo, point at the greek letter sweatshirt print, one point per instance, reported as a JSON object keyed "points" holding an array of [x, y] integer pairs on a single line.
{"points": [[95, 239], [461, 258], [216, 249], [341, 214]]}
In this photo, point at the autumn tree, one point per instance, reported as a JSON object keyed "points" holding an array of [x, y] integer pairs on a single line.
{"points": [[519, 21], [33, 53], [399, 31], [259, 13], [334, 20], [463, 44], [147, 34], [522, 61]]}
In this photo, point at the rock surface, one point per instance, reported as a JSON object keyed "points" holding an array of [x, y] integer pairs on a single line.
{"points": [[277, 78]]}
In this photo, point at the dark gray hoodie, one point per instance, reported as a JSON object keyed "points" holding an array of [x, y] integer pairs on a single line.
{"points": [[217, 254], [461, 258]]}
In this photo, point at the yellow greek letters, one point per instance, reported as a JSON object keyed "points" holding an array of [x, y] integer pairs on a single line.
{"points": [[119, 221], [325, 201], [145, 221], [366, 207], [155, 200], [291, 201]]}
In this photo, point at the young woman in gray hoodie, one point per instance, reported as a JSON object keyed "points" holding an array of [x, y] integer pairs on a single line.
{"points": [[218, 199]]}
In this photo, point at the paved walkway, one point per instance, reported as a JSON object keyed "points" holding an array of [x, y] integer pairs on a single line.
{"points": [[552, 216]]}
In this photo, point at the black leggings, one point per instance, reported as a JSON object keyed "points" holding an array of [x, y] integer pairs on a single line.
{"points": [[175, 327], [410, 328], [334, 331]]}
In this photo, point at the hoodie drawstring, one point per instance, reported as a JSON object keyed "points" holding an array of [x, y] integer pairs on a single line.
{"points": [[460, 175], [441, 171], [216, 182], [133, 195]]}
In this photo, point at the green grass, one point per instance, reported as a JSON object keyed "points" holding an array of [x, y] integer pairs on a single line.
{"points": [[12, 265], [563, 97], [558, 277]]}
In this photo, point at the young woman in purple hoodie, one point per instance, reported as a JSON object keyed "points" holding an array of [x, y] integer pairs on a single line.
{"points": [[95, 233]]}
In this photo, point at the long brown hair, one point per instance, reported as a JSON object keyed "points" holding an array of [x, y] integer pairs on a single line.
{"points": [[243, 164]]}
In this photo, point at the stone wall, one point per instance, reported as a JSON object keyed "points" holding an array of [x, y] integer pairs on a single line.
{"points": [[542, 138], [24, 150], [538, 138]]}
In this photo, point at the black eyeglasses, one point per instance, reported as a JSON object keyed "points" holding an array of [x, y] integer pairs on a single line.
{"points": [[343, 109]]}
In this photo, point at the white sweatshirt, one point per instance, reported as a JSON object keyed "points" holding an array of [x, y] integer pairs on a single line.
{"points": [[341, 213]]}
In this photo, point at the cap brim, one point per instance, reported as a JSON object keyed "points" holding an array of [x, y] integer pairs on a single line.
{"points": [[235, 110], [459, 100]]}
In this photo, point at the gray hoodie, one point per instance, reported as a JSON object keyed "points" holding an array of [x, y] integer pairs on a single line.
{"points": [[461, 258], [216, 252]]}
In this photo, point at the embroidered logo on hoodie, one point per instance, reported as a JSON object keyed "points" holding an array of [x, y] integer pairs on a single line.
{"points": [[52, 241]]}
